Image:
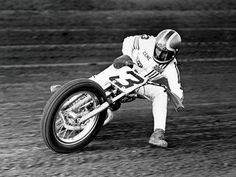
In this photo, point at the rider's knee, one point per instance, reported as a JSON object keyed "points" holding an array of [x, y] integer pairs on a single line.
{"points": [[159, 93]]}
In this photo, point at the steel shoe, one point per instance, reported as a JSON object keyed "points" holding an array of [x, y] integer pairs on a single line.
{"points": [[157, 139]]}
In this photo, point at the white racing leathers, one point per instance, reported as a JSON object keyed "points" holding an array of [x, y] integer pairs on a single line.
{"points": [[140, 49]]}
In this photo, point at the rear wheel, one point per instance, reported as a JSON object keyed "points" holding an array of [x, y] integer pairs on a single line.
{"points": [[61, 128]]}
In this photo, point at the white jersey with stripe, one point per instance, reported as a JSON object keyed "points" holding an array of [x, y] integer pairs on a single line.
{"points": [[140, 49]]}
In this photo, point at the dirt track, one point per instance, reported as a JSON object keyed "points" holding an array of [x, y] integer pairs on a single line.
{"points": [[202, 138]]}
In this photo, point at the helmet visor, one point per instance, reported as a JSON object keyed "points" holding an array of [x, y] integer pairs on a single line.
{"points": [[163, 55]]}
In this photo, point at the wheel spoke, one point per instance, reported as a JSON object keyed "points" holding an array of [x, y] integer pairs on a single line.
{"points": [[64, 134], [60, 129], [70, 134], [68, 131], [59, 124]]}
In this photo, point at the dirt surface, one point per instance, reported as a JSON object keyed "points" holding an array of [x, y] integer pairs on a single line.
{"points": [[80, 36], [202, 138], [85, 5]]}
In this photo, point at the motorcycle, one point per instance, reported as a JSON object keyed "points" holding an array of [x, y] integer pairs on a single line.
{"points": [[76, 111]]}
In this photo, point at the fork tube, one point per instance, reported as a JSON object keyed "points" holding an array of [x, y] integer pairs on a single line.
{"points": [[79, 104], [118, 97], [100, 108], [94, 112]]}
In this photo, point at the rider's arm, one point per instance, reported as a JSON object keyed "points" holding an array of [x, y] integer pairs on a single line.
{"points": [[129, 45], [173, 76]]}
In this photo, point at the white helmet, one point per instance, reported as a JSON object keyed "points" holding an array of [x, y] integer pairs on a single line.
{"points": [[167, 46]]}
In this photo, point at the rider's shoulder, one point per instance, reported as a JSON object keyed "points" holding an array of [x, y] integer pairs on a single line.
{"points": [[146, 37], [141, 36], [129, 38]]}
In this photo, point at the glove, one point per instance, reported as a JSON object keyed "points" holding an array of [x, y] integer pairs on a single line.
{"points": [[123, 60]]}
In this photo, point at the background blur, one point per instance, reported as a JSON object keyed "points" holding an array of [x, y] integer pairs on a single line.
{"points": [[45, 42], [48, 31]]}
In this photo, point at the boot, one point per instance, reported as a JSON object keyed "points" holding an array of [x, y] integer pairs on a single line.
{"points": [[157, 138]]}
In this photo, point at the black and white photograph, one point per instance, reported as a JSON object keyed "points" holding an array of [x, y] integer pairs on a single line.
{"points": [[118, 88]]}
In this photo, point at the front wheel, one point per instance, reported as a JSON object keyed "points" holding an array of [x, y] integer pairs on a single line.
{"points": [[60, 126]]}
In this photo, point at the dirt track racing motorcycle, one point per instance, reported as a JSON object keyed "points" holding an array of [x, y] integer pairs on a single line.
{"points": [[76, 111]]}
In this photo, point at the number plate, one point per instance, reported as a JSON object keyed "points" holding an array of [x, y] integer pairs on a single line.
{"points": [[127, 80]]}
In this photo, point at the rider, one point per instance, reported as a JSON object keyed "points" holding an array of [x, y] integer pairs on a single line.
{"points": [[155, 58]]}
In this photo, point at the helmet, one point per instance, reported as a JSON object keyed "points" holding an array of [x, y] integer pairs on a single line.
{"points": [[167, 46]]}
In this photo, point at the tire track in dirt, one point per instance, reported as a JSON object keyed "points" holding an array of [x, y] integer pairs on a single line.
{"points": [[201, 138]]}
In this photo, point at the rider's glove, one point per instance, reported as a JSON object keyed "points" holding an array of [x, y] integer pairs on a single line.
{"points": [[123, 60]]}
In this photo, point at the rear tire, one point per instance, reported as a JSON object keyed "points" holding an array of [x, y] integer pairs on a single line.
{"points": [[50, 116]]}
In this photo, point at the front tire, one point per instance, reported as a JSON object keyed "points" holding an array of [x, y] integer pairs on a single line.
{"points": [[59, 136]]}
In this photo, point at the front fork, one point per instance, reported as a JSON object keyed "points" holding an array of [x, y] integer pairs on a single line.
{"points": [[101, 108]]}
